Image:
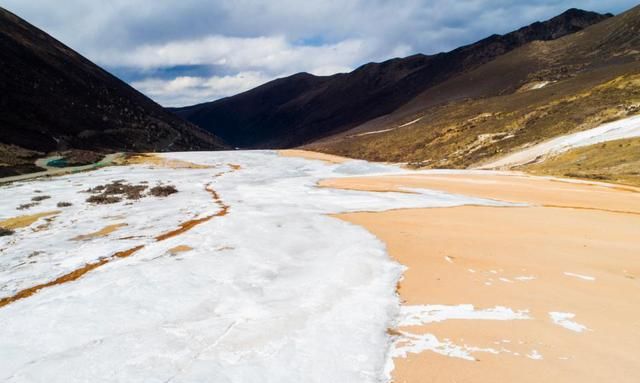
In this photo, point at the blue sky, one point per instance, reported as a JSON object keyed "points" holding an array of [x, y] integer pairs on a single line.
{"points": [[191, 51]]}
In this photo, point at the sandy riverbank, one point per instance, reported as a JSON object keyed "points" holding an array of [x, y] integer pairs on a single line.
{"points": [[313, 155], [575, 250]]}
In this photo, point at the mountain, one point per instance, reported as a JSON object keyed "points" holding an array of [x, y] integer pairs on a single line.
{"points": [[302, 108], [52, 98], [540, 90]]}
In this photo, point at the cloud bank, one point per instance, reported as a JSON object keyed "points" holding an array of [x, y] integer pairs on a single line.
{"points": [[192, 51]]}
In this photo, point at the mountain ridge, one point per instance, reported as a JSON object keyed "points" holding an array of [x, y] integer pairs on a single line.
{"points": [[542, 90], [302, 108]]}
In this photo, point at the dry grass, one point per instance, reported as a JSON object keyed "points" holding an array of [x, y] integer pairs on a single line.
{"points": [[463, 133], [100, 233], [25, 220], [158, 161], [614, 161]]}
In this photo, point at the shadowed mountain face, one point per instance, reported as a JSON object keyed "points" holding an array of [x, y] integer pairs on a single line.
{"points": [[51, 98], [302, 108]]}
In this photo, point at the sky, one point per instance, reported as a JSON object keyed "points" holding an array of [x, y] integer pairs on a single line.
{"points": [[191, 51]]}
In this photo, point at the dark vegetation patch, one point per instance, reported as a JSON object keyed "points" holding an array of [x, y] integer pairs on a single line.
{"points": [[64, 204], [115, 192], [17, 170], [163, 191], [102, 199], [25, 206], [40, 198], [4, 232], [15, 161], [118, 190]]}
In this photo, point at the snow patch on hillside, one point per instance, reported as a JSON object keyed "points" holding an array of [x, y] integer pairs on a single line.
{"points": [[625, 128]]}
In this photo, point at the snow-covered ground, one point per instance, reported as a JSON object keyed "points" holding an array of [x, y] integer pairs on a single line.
{"points": [[626, 128], [274, 291]]}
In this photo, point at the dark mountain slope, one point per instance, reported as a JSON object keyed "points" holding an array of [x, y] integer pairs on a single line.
{"points": [[302, 108], [51, 98]]}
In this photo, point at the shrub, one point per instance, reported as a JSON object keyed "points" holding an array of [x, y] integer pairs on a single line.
{"points": [[163, 191], [27, 205], [102, 199], [120, 189], [64, 204], [5, 231], [40, 198]]}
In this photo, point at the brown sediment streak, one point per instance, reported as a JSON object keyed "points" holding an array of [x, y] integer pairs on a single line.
{"points": [[604, 185], [126, 253], [593, 208], [69, 277], [74, 275], [185, 226], [100, 233], [395, 189]]}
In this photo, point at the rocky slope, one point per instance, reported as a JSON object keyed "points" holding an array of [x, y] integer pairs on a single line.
{"points": [[52, 98], [541, 90], [303, 108]]}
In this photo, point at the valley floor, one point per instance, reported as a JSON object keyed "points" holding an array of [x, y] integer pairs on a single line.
{"points": [[274, 268]]}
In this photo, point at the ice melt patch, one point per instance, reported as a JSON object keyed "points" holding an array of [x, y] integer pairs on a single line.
{"points": [[417, 315], [564, 320], [580, 276]]}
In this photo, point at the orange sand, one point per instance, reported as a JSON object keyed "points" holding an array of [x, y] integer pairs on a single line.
{"points": [[159, 161], [474, 254], [313, 155]]}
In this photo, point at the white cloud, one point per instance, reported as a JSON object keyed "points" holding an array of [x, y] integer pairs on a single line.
{"points": [[273, 55], [277, 37], [187, 90], [255, 60]]}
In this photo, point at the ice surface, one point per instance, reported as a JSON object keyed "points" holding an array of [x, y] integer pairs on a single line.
{"points": [[417, 343], [274, 291], [416, 315], [581, 276], [419, 315], [564, 320], [535, 355]]}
